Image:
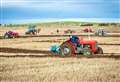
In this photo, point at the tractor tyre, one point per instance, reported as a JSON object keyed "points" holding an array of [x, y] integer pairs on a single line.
{"points": [[87, 52], [100, 50], [66, 49], [6, 36]]}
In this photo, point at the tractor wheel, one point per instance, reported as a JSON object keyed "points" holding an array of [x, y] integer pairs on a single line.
{"points": [[6, 36], [87, 52], [100, 50], [66, 49]]}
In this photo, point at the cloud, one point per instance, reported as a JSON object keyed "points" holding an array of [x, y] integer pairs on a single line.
{"points": [[61, 9], [61, 5], [58, 5]]}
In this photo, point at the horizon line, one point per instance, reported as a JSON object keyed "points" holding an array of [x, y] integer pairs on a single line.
{"points": [[48, 20]]}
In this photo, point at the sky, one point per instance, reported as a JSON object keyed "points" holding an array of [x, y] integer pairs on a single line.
{"points": [[24, 11]]}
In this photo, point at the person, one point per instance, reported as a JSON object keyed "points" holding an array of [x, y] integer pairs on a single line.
{"points": [[74, 39], [57, 31]]}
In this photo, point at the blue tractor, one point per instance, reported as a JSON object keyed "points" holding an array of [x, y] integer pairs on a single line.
{"points": [[32, 30]]}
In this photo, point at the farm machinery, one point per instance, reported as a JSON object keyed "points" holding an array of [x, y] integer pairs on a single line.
{"points": [[101, 32], [86, 30], [11, 34], [98, 32], [32, 30], [74, 46]]}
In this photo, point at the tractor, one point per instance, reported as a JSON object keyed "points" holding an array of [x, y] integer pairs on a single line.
{"points": [[87, 30], [74, 46], [32, 30], [101, 32], [11, 34]]}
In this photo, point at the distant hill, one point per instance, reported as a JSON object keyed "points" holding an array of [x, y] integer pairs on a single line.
{"points": [[62, 23]]}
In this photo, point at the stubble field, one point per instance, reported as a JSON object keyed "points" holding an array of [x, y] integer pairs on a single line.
{"points": [[33, 65]]}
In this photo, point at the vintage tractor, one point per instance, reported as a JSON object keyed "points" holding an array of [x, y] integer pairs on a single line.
{"points": [[74, 46], [32, 30], [87, 30], [11, 34], [101, 32]]}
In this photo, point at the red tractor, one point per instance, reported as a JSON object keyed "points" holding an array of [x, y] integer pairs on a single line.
{"points": [[74, 46], [11, 34], [88, 30]]}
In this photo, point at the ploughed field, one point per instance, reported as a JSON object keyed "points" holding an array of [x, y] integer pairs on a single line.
{"points": [[29, 60]]}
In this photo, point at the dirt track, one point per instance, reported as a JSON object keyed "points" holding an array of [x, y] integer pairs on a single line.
{"points": [[14, 50], [85, 35], [41, 45]]}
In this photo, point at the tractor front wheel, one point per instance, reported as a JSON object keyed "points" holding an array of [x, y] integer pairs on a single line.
{"points": [[87, 52], [6, 36]]}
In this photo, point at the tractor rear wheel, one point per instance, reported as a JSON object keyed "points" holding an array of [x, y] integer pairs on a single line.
{"points": [[66, 49], [100, 50], [87, 52], [6, 36]]}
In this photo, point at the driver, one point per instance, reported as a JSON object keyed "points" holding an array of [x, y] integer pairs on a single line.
{"points": [[74, 39]]}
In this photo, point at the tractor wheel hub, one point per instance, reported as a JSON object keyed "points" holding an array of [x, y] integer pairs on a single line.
{"points": [[66, 50]]}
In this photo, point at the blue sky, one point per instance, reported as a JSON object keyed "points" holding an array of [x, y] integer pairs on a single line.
{"points": [[23, 11]]}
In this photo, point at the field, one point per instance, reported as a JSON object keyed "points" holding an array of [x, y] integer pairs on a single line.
{"points": [[28, 59]]}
